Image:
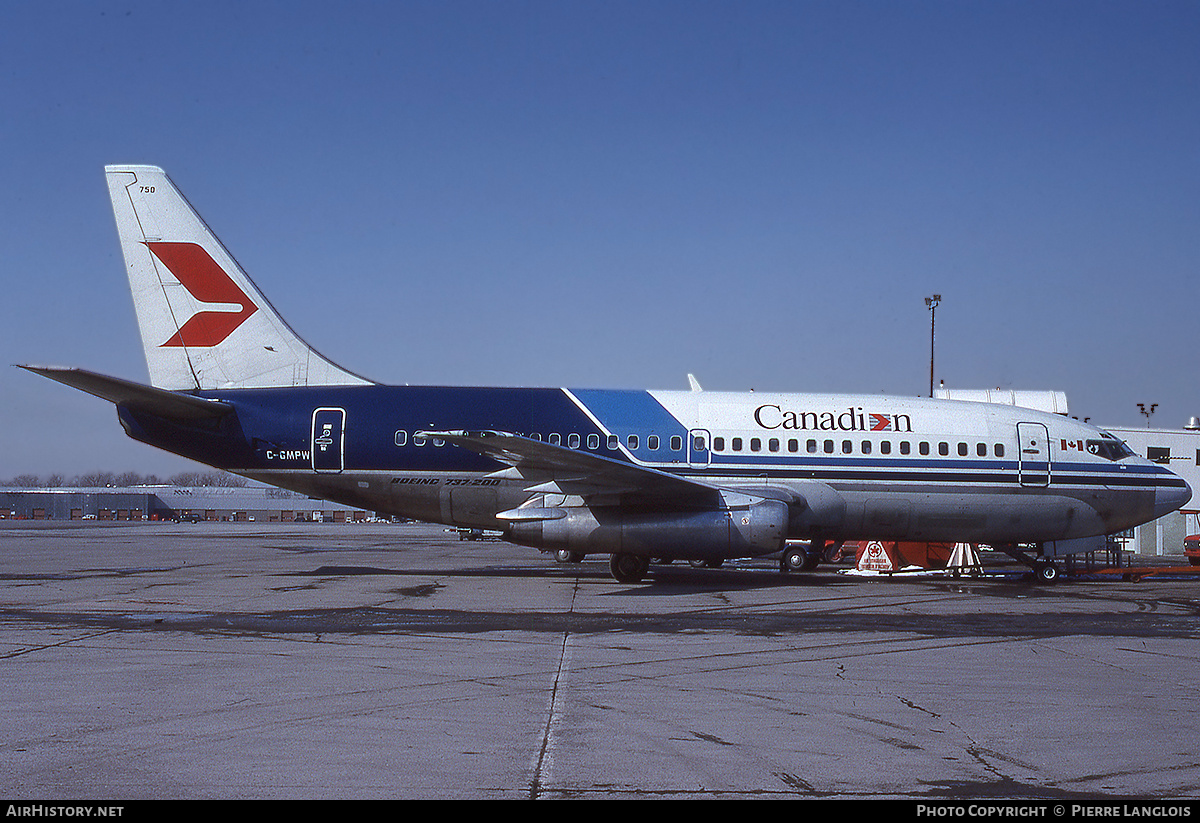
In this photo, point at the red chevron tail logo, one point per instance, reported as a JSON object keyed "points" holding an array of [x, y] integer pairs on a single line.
{"points": [[208, 283]]}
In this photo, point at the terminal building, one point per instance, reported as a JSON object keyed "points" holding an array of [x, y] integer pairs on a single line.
{"points": [[263, 504], [1179, 450]]}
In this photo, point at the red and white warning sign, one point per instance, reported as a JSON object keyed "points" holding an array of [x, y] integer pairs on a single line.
{"points": [[876, 557]]}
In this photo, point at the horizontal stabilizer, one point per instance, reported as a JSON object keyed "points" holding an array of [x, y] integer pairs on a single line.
{"points": [[135, 396]]}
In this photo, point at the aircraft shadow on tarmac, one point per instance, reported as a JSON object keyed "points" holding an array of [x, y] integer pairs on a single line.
{"points": [[852, 626], [662, 580]]}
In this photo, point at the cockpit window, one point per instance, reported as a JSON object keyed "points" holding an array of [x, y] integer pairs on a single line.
{"points": [[1110, 448]]}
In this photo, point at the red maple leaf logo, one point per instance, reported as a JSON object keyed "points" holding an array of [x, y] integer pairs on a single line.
{"points": [[208, 283]]}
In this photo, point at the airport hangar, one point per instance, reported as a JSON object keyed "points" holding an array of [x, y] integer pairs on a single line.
{"points": [[1177, 448], [251, 503]]}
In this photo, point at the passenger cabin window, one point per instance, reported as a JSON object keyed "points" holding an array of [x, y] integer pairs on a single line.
{"points": [[755, 444], [573, 441], [885, 447], [401, 438], [923, 448], [719, 444], [676, 443], [555, 439], [737, 444], [981, 449], [593, 441], [652, 442], [962, 449], [632, 440], [613, 442]]}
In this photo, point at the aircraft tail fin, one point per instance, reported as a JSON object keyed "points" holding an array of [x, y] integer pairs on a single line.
{"points": [[204, 324]]}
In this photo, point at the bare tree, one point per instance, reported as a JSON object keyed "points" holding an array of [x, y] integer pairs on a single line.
{"points": [[125, 480]]}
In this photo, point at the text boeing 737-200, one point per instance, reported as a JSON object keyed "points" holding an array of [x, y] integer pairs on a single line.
{"points": [[633, 474]]}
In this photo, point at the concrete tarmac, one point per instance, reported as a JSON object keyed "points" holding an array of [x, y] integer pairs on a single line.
{"points": [[223, 660]]}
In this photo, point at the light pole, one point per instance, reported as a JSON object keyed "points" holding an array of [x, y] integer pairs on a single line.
{"points": [[1148, 413], [932, 303]]}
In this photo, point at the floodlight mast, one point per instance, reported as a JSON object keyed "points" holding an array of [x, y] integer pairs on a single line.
{"points": [[932, 303]]}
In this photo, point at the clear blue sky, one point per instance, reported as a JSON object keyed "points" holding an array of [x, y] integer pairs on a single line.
{"points": [[615, 194]]}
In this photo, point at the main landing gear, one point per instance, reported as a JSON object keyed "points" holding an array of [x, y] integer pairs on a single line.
{"points": [[628, 568]]}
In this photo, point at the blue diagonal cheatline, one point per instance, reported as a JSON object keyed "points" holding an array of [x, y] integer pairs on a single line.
{"points": [[632, 412]]}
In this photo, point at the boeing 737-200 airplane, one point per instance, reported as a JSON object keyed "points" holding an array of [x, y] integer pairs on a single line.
{"points": [[635, 475]]}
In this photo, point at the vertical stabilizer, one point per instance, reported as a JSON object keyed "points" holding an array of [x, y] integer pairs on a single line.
{"points": [[204, 324]]}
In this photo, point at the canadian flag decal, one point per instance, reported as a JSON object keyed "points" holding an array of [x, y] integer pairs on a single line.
{"points": [[208, 283]]}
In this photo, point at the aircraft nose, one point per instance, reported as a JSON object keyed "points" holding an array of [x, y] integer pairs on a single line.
{"points": [[1169, 498]]}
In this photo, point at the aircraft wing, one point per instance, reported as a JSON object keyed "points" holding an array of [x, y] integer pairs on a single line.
{"points": [[554, 469]]}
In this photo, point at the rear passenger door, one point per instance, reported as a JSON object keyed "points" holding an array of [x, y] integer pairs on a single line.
{"points": [[328, 440]]}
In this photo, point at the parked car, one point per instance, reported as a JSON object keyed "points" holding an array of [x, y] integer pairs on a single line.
{"points": [[1191, 549]]}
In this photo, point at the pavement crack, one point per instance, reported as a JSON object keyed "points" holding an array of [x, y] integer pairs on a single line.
{"points": [[552, 716]]}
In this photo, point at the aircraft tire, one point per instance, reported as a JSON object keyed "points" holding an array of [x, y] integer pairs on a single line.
{"points": [[628, 568], [564, 556], [1046, 572]]}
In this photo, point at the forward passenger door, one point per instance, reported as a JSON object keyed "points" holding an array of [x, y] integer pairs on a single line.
{"points": [[1033, 455]]}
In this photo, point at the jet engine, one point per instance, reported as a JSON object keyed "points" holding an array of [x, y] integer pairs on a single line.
{"points": [[758, 527]]}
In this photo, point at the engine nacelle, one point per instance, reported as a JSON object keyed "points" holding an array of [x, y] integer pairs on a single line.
{"points": [[744, 531]]}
